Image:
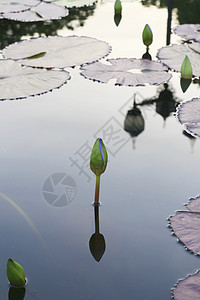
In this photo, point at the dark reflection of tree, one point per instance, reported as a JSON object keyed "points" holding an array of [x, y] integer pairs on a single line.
{"points": [[187, 10], [165, 102], [12, 31]]}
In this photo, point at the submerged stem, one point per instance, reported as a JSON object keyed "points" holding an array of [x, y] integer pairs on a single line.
{"points": [[96, 199]]}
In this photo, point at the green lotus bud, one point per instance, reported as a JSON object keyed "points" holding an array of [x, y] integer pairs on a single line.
{"points": [[147, 36], [186, 68], [98, 158], [15, 273], [118, 7]]}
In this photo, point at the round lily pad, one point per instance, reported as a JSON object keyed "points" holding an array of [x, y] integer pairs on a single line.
{"points": [[43, 11], [74, 3], [20, 82], [188, 114], [58, 52], [7, 6], [188, 31], [127, 72], [174, 55], [188, 288]]}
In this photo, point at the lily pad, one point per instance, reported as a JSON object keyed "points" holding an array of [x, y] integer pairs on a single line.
{"points": [[7, 6], [174, 55], [186, 226], [188, 114], [127, 71], [60, 51], [73, 3], [188, 31], [188, 288], [20, 82], [43, 11]]}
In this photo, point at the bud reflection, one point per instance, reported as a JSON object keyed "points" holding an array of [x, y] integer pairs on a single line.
{"points": [[97, 243], [16, 293]]}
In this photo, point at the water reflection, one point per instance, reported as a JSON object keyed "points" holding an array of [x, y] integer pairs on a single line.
{"points": [[12, 31], [187, 10], [185, 83], [16, 293], [97, 243], [117, 18], [134, 121], [147, 55], [191, 138], [164, 104]]}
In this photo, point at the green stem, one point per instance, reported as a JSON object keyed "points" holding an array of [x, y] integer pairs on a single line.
{"points": [[96, 199]]}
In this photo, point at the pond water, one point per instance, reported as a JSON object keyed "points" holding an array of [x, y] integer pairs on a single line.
{"points": [[45, 148]]}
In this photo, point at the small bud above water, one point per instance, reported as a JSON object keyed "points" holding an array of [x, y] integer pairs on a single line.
{"points": [[15, 273], [98, 158], [186, 68], [118, 7], [147, 36]]}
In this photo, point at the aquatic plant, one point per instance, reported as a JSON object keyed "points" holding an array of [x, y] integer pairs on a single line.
{"points": [[98, 163], [186, 68], [118, 7], [188, 114], [147, 36], [173, 56], [127, 71], [60, 52], [15, 273]]}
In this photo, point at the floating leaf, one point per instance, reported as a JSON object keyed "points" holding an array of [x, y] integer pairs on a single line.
{"points": [[7, 6], [194, 204], [188, 288], [73, 3], [127, 71], [43, 11], [188, 31], [188, 114], [186, 225], [61, 52], [174, 55], [20, 82]]}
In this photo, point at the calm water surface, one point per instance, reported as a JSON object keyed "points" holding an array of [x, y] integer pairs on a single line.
{"points": [[48, 138]]}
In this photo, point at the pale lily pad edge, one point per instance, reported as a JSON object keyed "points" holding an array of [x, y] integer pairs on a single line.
{"points": [[41, 93], [169, 68], [171, 229], [20, 60], [121, 85], [185, 124], [180, 280]]}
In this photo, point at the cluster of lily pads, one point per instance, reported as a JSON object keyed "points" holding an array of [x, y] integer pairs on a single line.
{"points": [[38, 10], [185, 224], [27, 71]]}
